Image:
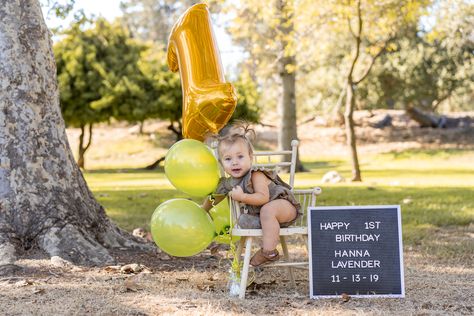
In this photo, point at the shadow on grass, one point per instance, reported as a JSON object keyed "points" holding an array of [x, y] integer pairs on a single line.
{"points": [[411, 153], [130, 209], [124, 170], [316, 165]]}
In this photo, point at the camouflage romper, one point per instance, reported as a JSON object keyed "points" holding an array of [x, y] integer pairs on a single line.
{"points": [[250, 214]]}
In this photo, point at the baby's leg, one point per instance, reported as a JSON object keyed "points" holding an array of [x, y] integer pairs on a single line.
{"points": [[271, 215]]}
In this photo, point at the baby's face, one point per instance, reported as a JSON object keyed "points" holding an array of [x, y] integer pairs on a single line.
{"points": [[235, 158]]}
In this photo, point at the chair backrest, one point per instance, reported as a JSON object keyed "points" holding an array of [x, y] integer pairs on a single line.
{"points": [[277, 160], [286, 159]]}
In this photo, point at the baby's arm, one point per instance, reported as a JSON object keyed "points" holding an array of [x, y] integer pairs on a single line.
{"points": [[260, 196], [207, 205]]}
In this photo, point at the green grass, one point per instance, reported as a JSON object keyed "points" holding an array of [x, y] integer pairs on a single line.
{"points": [[434, 188]]}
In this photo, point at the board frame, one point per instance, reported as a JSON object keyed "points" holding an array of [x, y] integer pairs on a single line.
{"points": [[310, 210]]}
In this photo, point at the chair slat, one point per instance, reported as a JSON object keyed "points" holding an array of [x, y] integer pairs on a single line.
{"points": [[272, 153], [273, 165]]}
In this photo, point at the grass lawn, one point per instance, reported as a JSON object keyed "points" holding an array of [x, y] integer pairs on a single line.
{"points": [[435, 189]]}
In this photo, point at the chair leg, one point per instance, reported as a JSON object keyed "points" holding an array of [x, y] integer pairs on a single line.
{"points": [[245, 270], [305, 239], [287, 258]]}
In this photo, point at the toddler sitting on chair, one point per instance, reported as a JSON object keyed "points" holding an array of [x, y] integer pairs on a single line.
{"points": [[266, 201]]}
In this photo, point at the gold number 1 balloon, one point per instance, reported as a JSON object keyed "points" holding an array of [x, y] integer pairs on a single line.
{"points": [[208, 101]]}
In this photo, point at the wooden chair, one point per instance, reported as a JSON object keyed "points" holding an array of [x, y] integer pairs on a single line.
{"points": [[306, 198]]}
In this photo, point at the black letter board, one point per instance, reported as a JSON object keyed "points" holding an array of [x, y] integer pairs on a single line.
{"points": [[356, 250]]}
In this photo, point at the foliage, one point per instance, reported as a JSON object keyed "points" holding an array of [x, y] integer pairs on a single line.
{"points": [[248, 97], [59, 9], [98, 77], [154, 93], [429, 66], [96, 67]]}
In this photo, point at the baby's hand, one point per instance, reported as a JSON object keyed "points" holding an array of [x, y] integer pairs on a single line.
{"points": [[237, 193]]}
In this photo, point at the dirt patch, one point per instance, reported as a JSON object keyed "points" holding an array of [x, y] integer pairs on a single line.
{"points": [[198, 285], [320, 136]]}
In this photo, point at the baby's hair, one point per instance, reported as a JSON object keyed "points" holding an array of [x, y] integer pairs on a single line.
{"points": [[239, 130]]}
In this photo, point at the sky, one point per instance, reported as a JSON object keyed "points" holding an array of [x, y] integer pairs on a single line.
{"points": [[110, 9]]}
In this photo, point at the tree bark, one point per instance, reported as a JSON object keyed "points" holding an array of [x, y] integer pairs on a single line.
{"points": [[44, 199], [287, 102]]}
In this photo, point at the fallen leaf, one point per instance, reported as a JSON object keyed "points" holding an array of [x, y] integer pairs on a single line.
{"points": [[139, 232], [131, 285], [23, 283], [131, 268], [38, 291], [165, 257], [60, 262], [206, 287], [112, 268], [182, 279], [214, 277], [345, 297]]}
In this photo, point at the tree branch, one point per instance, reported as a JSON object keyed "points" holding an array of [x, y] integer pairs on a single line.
{"points": [[367, 71], [441, 99], [358, 40], [350, 28]]}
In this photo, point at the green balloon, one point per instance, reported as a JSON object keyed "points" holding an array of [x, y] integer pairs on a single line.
{"points": [[192, 168], [181, 227], [221, 217]]}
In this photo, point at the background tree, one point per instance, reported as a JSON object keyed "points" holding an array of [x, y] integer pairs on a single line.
{"points": [[247, 108], [44, 200], [367, 29], [265, 30], [430, 67], [98, 77]]}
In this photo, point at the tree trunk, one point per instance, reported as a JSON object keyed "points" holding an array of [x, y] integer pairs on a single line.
{"points": [[350, 132], [179, 136], [82, 148], [425, 119], [287, 103], [155, 164], [44, 199], [350, 97]]}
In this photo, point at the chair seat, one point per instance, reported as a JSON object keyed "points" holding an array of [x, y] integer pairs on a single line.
{"points": [[258, 232]]}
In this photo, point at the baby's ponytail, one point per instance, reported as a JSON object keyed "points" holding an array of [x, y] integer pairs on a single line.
{"points": [[231, 133]]}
